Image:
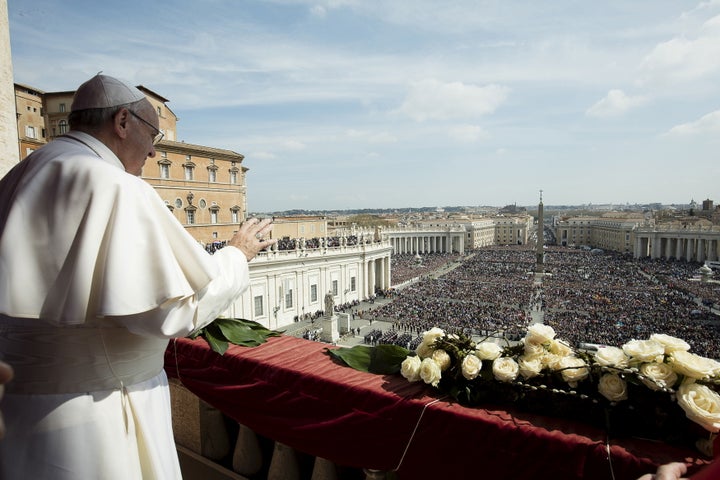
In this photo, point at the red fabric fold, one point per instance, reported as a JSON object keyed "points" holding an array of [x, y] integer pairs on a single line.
{"points": [[290, 390]]}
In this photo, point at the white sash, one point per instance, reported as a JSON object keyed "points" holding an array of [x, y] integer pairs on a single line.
{"points": [[76, 359]]}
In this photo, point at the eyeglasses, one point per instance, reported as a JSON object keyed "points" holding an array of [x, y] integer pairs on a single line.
{"points": [[158, 136]]}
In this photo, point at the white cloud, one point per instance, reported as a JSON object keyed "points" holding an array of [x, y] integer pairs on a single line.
{"points": [[372, 137], [318, 11], [262, 155], [683, 58], [616, 102], [468, 133], [293, 145], [709, 123], [432, 100]]}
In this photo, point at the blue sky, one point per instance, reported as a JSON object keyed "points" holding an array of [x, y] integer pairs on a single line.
{"points": [[343, 104]]}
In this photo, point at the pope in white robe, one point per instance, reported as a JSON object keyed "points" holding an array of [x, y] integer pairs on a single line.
{"points": [[96, 275]]}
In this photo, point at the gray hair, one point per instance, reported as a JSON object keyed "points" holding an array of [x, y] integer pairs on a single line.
{"points": [[93, 119]]}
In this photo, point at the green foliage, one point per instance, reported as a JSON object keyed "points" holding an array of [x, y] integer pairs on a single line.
{"points": [[380, 360], [236, 331]]}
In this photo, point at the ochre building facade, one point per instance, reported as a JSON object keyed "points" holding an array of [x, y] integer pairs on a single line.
{"points": [[203, 186]]}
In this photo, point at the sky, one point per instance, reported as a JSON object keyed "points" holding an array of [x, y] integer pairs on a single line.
{"points": [[365, 104]]}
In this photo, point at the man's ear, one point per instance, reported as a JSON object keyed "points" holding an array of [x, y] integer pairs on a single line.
{"points": [[120, 122]]}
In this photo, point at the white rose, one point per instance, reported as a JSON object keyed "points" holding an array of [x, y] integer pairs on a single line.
{"points": [[560, 348], [644, 350], [533, 349], [505, 369], [471, 366], [433, 334], [539, 333], [488, 351], [424, 350], [430, 372], [551, 361], [410, 368], [693, 366], [530, 366], [612, 387], [671, 344], [573, 369], [442, 358], [701, 405], [611, 357], [658, 375]]}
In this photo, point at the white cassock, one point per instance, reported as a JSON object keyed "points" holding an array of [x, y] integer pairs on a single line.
{"points": [[95, 276]]}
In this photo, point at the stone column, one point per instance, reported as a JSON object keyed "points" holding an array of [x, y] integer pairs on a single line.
{"points": [[9, 146], [656, 246], [381, 266], [701, 250], [364, 280], [689, 250]]}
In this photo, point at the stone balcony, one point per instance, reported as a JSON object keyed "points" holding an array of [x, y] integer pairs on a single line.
{"points": [[212, 447], [285, 410]]}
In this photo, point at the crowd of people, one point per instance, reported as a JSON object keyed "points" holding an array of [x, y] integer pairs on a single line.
{"points": [[587, 297], [407, 266], [473, 298], [391, 337], [287, 243], [610, 299]]}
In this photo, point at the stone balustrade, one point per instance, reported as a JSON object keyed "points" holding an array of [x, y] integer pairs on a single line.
{"points": [[213, 447]]}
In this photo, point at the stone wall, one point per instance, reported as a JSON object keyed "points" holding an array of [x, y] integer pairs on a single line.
{"points": [[9, 153]]}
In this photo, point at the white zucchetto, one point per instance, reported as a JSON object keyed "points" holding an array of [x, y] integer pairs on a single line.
{"points": [[103, 91]]}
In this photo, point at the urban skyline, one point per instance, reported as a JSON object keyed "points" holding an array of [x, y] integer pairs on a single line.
{"points": [[530, 208], [364, 104]]}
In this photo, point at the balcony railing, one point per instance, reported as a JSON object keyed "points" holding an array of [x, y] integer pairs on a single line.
{"points": [[285, 410]]}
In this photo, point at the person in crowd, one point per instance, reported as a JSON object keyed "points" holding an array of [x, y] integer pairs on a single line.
{"points": [[96, 275]]}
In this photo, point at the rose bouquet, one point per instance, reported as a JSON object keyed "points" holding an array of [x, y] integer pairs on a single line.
{"points": [[652, 388]]}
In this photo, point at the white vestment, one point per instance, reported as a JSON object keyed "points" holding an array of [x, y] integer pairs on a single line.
{"points": [[95, 276]]}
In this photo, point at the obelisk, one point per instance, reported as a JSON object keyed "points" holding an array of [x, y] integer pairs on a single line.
{"points": [[540, 243]]}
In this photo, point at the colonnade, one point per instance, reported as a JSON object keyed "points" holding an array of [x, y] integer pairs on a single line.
{"points": [[288, 284], [424, 241], [698, 246], [377, 275]]}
